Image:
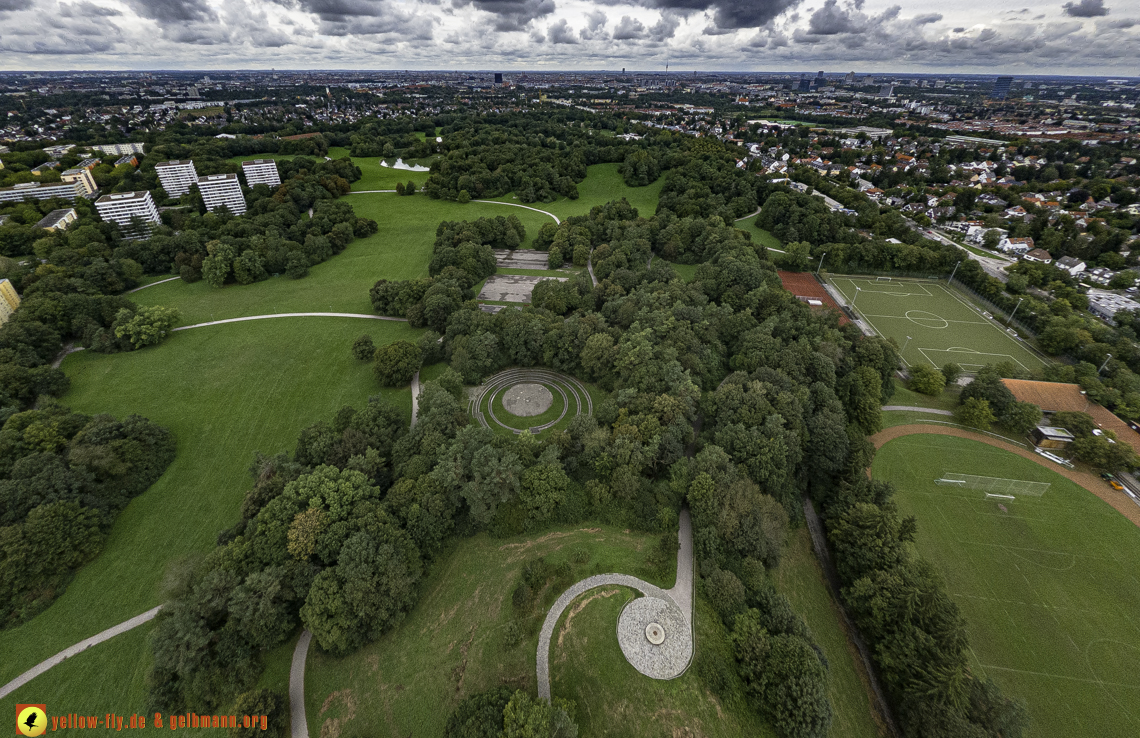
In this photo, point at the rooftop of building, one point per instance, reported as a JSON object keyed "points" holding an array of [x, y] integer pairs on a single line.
{"points": [[216, 178], [174, 163], [123, 197], [1055, 397]]}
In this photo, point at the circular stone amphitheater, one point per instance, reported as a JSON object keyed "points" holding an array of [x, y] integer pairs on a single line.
{"points": [[528, 399]]}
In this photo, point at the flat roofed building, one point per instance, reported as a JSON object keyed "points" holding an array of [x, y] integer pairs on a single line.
{"points": [[58, 219], [40, 191], [1046, 436], [83, 177], [9, 300], [222, 189], [119, 149], [261, 171], [122, 207], [176, 176]]}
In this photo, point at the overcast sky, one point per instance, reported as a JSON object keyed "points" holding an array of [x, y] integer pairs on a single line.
{"points": [[980, 36]]}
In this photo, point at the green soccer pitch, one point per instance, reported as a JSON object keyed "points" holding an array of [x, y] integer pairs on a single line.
{"points": [[1048, 585], [933, 323]]}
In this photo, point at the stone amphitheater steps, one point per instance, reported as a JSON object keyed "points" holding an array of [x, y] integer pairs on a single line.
{"points": [[562, 383]]}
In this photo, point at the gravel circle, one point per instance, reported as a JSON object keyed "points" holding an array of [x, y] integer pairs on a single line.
{"points": [[667, 660], [527, 400]]}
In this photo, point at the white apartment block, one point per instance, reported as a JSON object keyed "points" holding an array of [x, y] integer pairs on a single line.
{"points": [[261, 171], [176, 176], [222, 189], [40, 191], [121, 207], [119, 149]]}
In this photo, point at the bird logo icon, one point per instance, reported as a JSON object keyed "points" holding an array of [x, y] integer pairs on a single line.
{"points": [[31, 720]]}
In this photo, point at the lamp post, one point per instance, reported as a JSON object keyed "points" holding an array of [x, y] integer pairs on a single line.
{"points": [[820, 263], [1008, 322], [856, 297], [905, 345], [1102, 366]]}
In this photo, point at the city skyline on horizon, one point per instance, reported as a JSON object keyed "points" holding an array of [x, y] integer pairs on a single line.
{"points": [[1050, 38]]}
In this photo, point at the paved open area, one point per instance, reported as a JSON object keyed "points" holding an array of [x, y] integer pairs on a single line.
{"points": [[527, 400], [654, 637], [511, 287], [521, 259]]}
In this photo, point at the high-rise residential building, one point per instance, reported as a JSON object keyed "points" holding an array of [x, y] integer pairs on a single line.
{"points": [[9, 300], [499, 77], [40, 191], [176, 176], [1001, 88], [123, 207], [83, 177], [119, 149], [849, 79], [804, 85], [58, 219], [887, 91], [261, 171], [222, 189], [819, 77]]}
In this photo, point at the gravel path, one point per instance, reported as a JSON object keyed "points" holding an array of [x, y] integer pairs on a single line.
{"points": [[917, 409], [297, 687], [746, 217], [516, 205], [680, 596], [152, 284], [1120, 501], [80, 647], [415, 395], [290, 315], [590, 267]]}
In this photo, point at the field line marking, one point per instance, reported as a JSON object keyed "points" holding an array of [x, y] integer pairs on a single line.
{"points": [[1061, 676], [997, 328]]}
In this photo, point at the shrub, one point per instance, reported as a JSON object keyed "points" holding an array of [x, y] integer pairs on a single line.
{"points": [[927, 380], [363, 349]]}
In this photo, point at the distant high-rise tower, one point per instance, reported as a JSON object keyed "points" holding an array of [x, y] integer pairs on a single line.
{"points": [[819, 77], [887, 91], [805, 84], [498, 78], [850, 78], [1001, 88]]}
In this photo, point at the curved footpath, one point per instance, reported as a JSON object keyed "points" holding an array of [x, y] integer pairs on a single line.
{"points": [[526, 207], [912, 408], [70, 651], [152, 284], [300, 724], [289, 315], [1119, 501], [681, 594]]}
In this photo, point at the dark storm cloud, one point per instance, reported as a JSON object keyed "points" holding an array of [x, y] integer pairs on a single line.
{"points": [[511, 15], [831, 20], [9, 5], [922, 20], [172, 11], [733, 14], [1086, 9]]}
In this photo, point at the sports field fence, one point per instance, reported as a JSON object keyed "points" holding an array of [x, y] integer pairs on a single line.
{"points": [[1000, 314]]}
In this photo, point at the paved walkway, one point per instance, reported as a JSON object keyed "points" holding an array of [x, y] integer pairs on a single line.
{"points": [[746, 217], [80, 647], [516, 205], [290, 315], [415, 396], [1119, 500], [366, 192], [590, 267], [912, 408], [300, 724], [152, 284], [70, 348], [681, 595]]}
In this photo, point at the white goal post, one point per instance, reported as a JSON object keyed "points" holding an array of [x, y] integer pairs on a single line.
{"points": [[882, 279], [993, 486]]}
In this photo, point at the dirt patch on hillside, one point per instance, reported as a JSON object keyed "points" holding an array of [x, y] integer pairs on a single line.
{"points": [[1120, 501], [578, 608]]}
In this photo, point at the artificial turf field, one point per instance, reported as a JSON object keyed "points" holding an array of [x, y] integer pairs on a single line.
{"points": [[1050, 586], [941, 325]]}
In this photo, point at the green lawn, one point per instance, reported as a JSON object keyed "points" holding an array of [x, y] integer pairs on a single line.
{"points": [[452, 643], [941, 324], [225, 392], [800, 579], [1049, 585], [377, 177], [496, 408], [602, 184], [948, 400], [400, 250], [613, 699], [687, 272]]}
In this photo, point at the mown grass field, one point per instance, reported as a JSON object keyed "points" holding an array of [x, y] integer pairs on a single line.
{"points": [[799, 578], [452, 643], [1049, 586], [225, 392], [933, 324], [602, 184], [400, 250]]}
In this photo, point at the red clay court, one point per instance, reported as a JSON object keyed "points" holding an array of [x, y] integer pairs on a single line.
{"points": [[805, 286]]}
